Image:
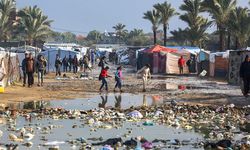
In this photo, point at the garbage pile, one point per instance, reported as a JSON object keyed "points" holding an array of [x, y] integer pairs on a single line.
{"points": [[219, 125]]}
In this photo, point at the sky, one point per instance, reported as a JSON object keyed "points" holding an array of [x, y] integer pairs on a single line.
{"points": [[82, 16]]}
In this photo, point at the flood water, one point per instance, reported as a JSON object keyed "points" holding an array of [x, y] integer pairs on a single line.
{"points": [[64, 131]]}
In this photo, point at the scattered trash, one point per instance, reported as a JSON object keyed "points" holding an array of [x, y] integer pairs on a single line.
{"points": [[135, 114]]}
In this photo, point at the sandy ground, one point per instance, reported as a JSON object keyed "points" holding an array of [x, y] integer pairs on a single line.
{"points": [[184, 89]]}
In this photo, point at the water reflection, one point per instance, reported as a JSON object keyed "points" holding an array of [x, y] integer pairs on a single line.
{"points": [[104, 101], [36, 105], [118, 100]]}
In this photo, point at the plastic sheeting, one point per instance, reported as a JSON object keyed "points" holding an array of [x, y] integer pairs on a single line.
{"points": [[172, 64], [10, 67], [50, 56]]}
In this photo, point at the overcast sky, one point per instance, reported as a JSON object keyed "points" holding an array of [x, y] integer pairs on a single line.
{"points": [[82, 16]]}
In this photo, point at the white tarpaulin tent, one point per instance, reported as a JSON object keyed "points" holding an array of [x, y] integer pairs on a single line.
{"points": [[50, 55]]}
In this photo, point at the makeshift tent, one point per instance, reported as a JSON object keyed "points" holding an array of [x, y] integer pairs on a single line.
{"points": [[167, 62], [158, 48], [193, 50], [50, 56], [10, 64], [203, 62], [235, 60], [171, 63], [219, 64]]}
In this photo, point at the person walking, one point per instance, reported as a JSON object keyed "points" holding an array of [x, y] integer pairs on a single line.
{"points": [[40, 66], [86, 63], [102, 62], [70, 63], [65, 64], [58, 64], [118, 79], [103, 76], [145, 74], [30, 66], [181, 64], [24, 68], [92, 58], [245, 75], [75, 65]]}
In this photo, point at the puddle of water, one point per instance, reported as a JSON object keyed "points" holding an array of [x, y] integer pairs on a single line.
{"points": [[122, 101], [67, 133]]}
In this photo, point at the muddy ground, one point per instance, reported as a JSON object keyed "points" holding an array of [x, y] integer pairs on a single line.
{"points": [[183, 89]]}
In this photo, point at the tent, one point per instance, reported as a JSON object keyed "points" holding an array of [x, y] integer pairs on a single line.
{"points": [[10, 63], [235, 60], [162, 59], [50, 55], [218, 66], [158, 48], [193, 50], [168, 63], [203, 61]]}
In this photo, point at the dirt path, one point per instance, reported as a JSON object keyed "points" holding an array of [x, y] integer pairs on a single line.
{"points": [[179, 88]]}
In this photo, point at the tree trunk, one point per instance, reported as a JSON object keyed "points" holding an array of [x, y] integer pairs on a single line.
{"points": [[165, 34], [236, 43], [222, 40], [154, 37], [229, 41]]}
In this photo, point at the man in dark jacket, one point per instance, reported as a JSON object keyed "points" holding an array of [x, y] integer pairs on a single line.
{"points": [[40, 67], [30, 66], [24, 68], [70, 63], [245, 75], [65, 63], [58, 64]]}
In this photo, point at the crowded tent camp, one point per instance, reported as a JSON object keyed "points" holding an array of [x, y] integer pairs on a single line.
{"points": [[158, 76]]}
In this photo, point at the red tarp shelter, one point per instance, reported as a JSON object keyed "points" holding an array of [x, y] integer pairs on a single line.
{"points": [[158, 48]]}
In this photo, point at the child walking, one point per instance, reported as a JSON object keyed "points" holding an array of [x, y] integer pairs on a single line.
{"points": [[118, 79], [102, 77]]}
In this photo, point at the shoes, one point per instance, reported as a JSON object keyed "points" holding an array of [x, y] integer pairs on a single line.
{"points": [[38, 84], [23, 85]]}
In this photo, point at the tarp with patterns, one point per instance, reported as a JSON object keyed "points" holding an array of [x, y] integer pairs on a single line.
{"points": [[10, 65]]}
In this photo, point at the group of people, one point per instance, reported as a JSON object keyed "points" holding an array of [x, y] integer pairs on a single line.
{"points": [[144, 72], [104, 75], [30, 66], [71, 64]]}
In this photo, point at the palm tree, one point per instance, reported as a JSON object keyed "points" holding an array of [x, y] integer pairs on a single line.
{"points": [[6, 24], [36, 25], [240, 26], [180, 36], [197, 24], [154, 17], [166, 12], [135, 33], [120, 31], [220, 11]]}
